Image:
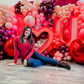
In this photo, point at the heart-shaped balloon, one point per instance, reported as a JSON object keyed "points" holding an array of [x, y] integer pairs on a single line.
{"points": [[9, 47], [77, 50]]}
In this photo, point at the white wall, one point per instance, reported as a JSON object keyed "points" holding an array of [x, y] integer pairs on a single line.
{"points": [[82, 0], [10, 2], [13, 2]]}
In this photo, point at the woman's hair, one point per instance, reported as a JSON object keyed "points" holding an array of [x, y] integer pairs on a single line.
{"points": [[29, 38]]}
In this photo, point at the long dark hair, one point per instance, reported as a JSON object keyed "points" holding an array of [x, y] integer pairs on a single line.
{"points": [[29, 38]]}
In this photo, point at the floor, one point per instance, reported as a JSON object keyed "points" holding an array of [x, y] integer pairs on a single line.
{"points": [[19, 74]]}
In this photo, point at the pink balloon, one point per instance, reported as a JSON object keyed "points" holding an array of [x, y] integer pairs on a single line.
{"points": [[54, 58], [35, 13], [45, 23], [61, 55], [14, 20], [76, 12], [29, 13], [14, 28], [11, 8], [56, 54], [37, 27], [77, 8], [66, 32], [38, 16], [37, 24], [80, 22], [81, 33], [5, 6], [33, 8], [29, 20], [64, 58], [78, 3], [59, 59], [8, 25], [69, 58], [82, 9], [80, 16], [37, 20], [82, 25], [79, 27], [42, 19], [41, 14]]}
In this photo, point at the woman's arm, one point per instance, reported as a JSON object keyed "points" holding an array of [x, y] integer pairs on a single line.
{"points": [[29, 54], [16, 51], [31, 51]]}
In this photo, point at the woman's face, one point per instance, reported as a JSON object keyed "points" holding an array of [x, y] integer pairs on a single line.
{"points": [[27, 32]]}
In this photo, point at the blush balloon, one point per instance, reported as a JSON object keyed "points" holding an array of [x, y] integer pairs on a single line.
{"points": [[29, 20]]}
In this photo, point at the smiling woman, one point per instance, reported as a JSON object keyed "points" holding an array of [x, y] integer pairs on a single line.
{"points": [[28, 55]]}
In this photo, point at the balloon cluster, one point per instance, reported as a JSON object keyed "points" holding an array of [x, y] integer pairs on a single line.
{"points": [[4, 35], [56, 41], [39, 21], [58, 50], [17, 7], [7, 17], [64, 12], [58, 56], [79, 11], [63, 48], [53, 48], [47, 7], [33, 18], [67, 57], [37, 3], [27, 7], [45, 53], [6, 14], [40, 43], [41, 40], [62, 53]]}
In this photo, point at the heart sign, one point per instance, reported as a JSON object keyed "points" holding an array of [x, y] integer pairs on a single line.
{"points": [[38, 32]]}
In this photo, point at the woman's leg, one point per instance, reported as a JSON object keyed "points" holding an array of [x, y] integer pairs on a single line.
{"points": [[47, 60], [33, 62]]}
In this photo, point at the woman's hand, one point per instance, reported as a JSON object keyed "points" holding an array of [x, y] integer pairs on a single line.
{"points": [[11, 64], [25, 62]]}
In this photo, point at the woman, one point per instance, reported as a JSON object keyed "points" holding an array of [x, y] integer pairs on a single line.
{"points": [[24, 47]]}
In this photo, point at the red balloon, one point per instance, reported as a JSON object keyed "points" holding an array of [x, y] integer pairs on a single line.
{"points": [[77, 50], [9, 47], [52, 50]]}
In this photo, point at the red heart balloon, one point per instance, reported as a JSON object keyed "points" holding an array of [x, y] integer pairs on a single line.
{"points": [[77, 50], [9, 47]]}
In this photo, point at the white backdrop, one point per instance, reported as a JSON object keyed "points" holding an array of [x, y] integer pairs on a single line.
{"points": [[10, 2], [82, 0], [13, 2]]}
